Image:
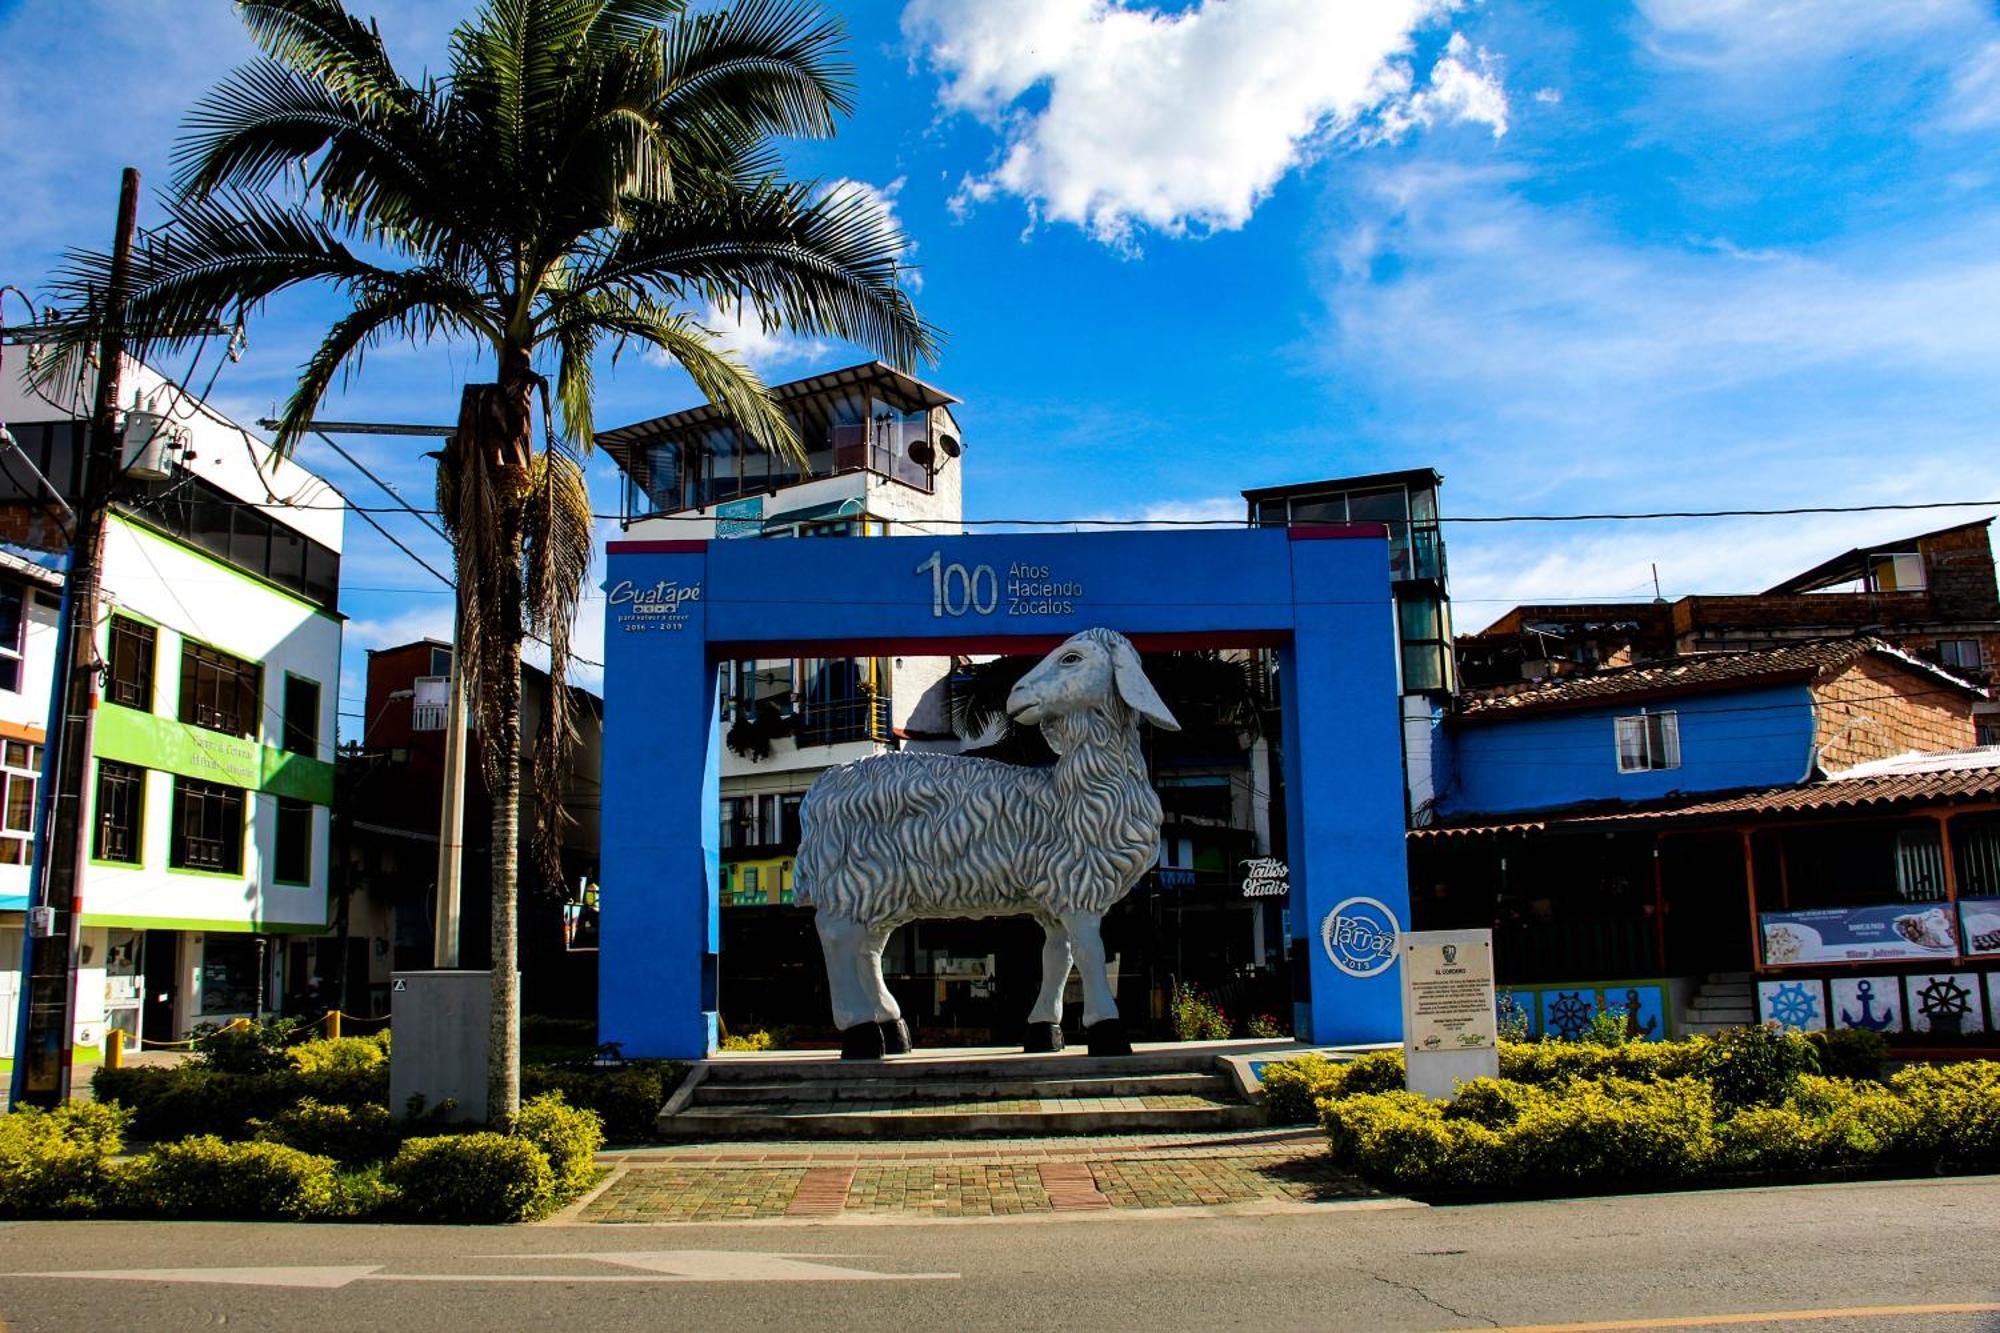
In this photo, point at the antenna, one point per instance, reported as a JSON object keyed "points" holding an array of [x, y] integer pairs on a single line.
{"points": [[1656, 582]]}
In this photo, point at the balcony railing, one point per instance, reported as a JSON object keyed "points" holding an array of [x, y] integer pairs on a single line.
{"points": [[863, 719]]}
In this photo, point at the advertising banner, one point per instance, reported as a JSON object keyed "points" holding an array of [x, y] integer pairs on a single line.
{"points": [[1858, 934], [1980, 918]]}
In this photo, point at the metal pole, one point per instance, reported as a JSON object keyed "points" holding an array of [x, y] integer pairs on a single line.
{"points": [[43, 1056], [451, 814]]}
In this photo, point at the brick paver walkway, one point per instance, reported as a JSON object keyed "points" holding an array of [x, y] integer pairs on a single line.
{"points": [[1000, 1178]]}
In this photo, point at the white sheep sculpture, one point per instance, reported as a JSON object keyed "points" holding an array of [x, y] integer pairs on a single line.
{"points": [[901, 836]]}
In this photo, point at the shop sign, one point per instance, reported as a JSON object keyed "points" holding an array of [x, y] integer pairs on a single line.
{"points": [[740, 518], [134, 737], [1980, 918], [1858, 934], [1359, 936], [1266, 877], [636, 608]]}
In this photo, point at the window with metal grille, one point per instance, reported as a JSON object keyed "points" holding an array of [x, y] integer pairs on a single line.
{"points": [[1649, 741], [121, 810], [208, 827], [219, 691], [133, 648], [292, 861]]}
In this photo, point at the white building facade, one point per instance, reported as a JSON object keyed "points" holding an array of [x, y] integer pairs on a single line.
{"points": [[211, 779], [883, 459]]}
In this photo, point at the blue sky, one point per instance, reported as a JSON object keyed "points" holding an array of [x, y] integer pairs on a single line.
{"points": [[1577, 256]]}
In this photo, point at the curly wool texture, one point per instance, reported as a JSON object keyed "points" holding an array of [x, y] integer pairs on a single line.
{"points": [[895, 837]]}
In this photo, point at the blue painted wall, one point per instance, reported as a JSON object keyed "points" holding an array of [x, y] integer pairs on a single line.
{"points": [[1737, 738], [674, 609]]}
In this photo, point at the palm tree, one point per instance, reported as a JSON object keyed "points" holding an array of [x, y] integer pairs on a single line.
{"points": [[588, 173]]}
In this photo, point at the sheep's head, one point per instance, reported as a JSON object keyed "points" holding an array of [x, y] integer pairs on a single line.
{"points": [[1088, 670]]}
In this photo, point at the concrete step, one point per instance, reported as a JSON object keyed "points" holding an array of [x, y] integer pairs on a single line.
{"points": [[1709, 1000], [989, 1118], [1730, 1015], [887, 1088], [828, 1068], [1727, 978]]}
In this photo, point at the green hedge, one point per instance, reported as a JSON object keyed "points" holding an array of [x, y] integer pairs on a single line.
{"points": [[204, 1177], [1609, 1133], [57, 1163], [181, 1100], [567, 1136], [627, 1099], [482, 1177], [351, 1135]]}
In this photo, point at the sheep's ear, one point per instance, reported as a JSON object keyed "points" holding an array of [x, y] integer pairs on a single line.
{"points": [[1138, 692]]}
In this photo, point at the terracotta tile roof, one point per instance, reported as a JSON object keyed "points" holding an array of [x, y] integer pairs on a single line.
{"points": [[1959, 779], [1813, 659]]}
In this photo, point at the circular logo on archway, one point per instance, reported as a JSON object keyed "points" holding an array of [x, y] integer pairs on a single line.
{"points": [[1360, 936]]}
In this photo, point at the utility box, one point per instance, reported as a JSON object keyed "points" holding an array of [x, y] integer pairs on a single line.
{"points": [[439, 1048]]}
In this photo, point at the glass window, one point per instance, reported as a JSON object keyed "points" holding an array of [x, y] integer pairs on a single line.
{"points": [[219, 691], [13, 629], [121, 807], [1960, 653], [21, 802], [288, 556], [1271, 513], [292, 861], [301, 715], [207, 827], [228, 974], [1332, 509], [132, 652], [322, 575], [250, 540], [1648, 741], [1896, 571]]}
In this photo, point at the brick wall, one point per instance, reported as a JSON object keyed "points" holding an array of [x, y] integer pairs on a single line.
{"points": [[1874, 709], [31, 526], [1958, 566]]}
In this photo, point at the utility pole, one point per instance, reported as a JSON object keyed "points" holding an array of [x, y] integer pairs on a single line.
{"points": [[43, 1052], [451, 811]]}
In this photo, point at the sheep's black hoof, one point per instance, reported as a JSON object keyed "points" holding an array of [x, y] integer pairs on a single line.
{"points": [[1108, 1038], [895, 1037], [1043, 1039], [863, 1041]]}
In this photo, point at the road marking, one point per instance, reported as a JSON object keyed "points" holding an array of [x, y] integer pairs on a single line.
{"points": [[1758, 1317], [657, 1266], [231, 1277]]}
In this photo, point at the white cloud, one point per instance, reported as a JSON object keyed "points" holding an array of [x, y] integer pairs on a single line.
{"points": [[1463, 86], [1546, 364], [1116, 116], [1549, 96], [1752, 37], [1216, 509], [1975, 91]]}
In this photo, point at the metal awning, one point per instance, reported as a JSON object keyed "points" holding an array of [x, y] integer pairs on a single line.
{"points": [[851, 507]]}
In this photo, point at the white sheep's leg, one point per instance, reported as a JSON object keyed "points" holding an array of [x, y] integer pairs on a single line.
{"points": [[1056, 965], [884, 1008], [1098, 1002], [841, 940]]}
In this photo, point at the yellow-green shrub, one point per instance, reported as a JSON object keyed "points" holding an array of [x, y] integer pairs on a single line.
{"points": [[568, 1136], [204, 1177], [54, 1163], [471, 1178], [339, 1054], [351, 1135], [1955, 1110]]}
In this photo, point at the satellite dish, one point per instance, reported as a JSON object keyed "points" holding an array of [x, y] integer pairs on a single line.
{"points": [[950, 445], [921, 453]]}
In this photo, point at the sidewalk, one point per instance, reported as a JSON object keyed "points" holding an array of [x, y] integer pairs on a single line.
{"points": [[905, 1180]]}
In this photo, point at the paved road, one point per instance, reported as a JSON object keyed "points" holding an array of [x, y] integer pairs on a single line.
{"points": [[1872, 1250]]}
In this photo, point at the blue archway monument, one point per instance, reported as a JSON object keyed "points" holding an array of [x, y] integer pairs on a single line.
{"points": [[676, 610]]}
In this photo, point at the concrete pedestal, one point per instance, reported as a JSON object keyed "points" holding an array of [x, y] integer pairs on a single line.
{"points": [[439, 1048]]}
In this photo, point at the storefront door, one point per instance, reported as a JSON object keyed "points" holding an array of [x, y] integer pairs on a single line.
{"points": [[163, 975]]}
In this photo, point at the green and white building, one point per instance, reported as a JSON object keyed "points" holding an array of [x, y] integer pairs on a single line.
{"points": [[211, 774]]}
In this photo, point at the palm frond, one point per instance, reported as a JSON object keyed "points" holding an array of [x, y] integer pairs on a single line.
{"points": [[324, 42], [758, 68], [556, 541], [807, 262]]}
